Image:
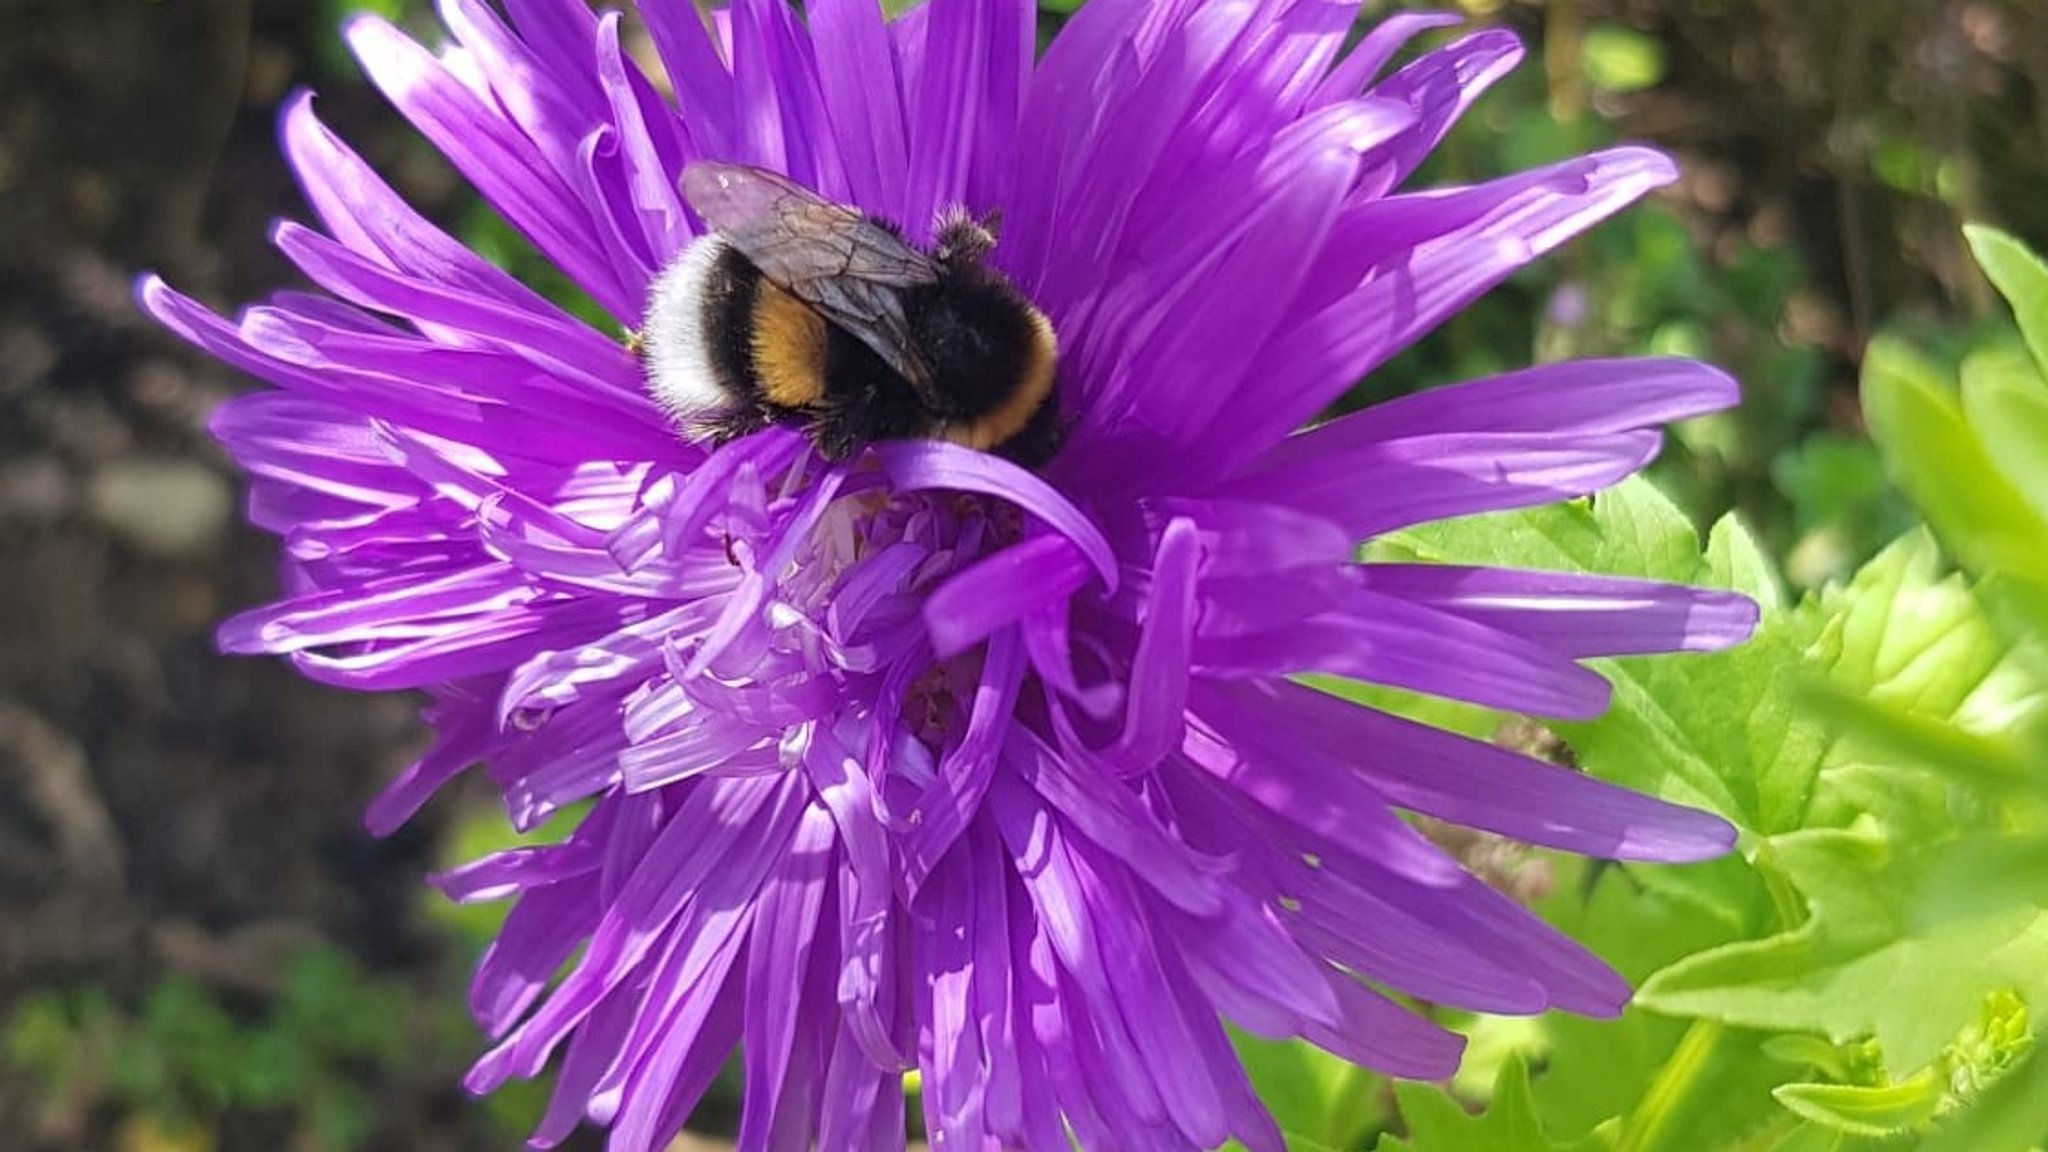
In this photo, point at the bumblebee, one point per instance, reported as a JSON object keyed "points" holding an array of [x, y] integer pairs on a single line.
{"points": [[795, 310]]}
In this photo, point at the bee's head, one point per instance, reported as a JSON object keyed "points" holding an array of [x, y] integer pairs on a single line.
{"points": [[962, 239]]}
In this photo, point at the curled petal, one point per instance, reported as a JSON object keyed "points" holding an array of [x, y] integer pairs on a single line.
{"points": [[915, 465]]}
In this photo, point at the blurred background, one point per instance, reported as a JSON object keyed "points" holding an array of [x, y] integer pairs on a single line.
{"points": [[199, 946]]}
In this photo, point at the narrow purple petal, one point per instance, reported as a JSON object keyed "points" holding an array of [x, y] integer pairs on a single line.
{"points": [[915, 465], [363, 212], [782, 122], [863, 98], [538, 936], [1441, 86], [1468, 782], [1574, 614], [1582, 397], [1383, 640], [1203, 321], [1417, 287], [1156, 706], [1001, 590], [944, 810], [1116, 821], [1371, 54], [964, 104], [1379, 1034], [1380, 486], [492, 154], [785, 926], [462, 734]]}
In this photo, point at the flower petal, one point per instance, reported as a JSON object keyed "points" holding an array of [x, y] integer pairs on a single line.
{"points": [[1002, 589], [1476, 237], [915, 465], [495, 157], [1384, 640], [1465, 781], [1380, 486], [1574, 614], [1581, 397]]}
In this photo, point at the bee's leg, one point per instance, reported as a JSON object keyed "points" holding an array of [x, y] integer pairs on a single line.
{"points": [[730, 425], [836, 437], [840, 425]]}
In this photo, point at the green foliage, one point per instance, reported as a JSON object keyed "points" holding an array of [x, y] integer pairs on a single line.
{"points": [[186, 1057], [1509, 1124], [1620, 59], [1319, 1101]]}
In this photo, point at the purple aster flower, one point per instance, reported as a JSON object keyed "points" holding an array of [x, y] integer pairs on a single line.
{"points": [[924, 760]]}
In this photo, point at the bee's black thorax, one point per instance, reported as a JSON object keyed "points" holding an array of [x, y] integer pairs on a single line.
{"points": [[976, 334], [992, 353]]}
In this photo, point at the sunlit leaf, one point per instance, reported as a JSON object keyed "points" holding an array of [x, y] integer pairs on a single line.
{"points": [[2006, 402], [2021, 278], [1931, 449], [1857, 966], [1866, 1110], [1621, 59], [1437, 1123]]}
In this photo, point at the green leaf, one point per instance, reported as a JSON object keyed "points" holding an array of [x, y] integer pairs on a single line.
{"points": [[2021, 278], [1316, 1098], [2006, 403], [1938, 460], [1983, 874], [1857, 966], [1600, 1069], [1866, 1110], [1437, 1123], [1620, 59], [1897, 737], [1911, 637]]}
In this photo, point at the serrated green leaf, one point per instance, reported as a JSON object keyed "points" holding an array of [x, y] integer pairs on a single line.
{"points": [[1857, 966], [1913, 635], [1866, 1110], [1437, 1123], [2021, 278], [1897, 737], [2006, 403], [1919, 676], [1936, 457]]}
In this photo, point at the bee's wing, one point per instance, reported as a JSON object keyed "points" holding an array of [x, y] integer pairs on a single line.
{"points": [[849, 268]]}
